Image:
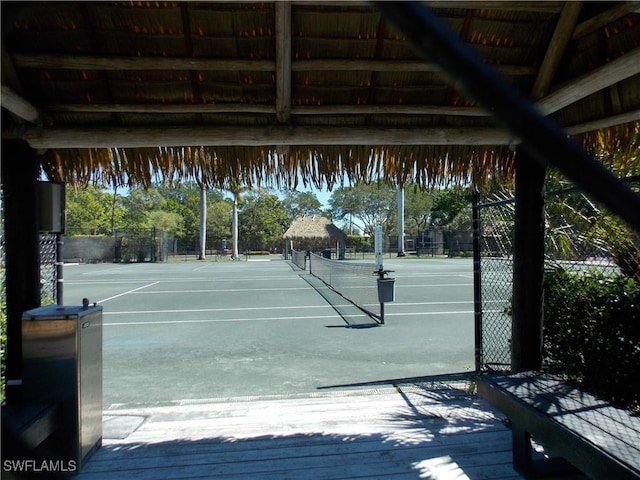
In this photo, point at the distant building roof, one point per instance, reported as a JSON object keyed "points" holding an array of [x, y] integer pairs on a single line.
{"points": [[314, 227]]}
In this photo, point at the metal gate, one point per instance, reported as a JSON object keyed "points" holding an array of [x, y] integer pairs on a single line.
{"points": [[493, 276]]}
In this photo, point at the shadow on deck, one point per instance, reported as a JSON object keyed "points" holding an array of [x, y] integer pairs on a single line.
{"points": [[420, 429]]}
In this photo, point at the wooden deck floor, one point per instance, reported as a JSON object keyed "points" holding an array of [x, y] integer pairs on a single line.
{"points": [[414, 431]]}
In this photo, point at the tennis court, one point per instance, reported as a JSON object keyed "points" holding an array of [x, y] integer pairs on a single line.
{"points": [[202, 330]]}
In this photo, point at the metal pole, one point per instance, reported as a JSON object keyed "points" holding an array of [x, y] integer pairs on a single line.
{"points": [[401, 221], [477, 280]]}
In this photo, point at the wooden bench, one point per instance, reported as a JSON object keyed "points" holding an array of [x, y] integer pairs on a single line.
{"points": [[28, 425], [600, 440]]}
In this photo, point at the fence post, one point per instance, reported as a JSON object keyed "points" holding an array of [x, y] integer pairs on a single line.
{"points": [[528, 265], [477, 280]]}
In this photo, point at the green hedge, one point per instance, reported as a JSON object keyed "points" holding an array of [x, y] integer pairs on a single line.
{"points": [[592, 333]]}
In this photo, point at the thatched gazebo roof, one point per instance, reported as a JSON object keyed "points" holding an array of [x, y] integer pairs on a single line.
{"points": [[313, 228], [272, 92]]}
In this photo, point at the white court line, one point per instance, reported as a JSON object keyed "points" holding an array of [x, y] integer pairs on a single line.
{"points": [[448, 274], [413, 314], [413, 285], [309, 317], [109, 270], [289, 307], [127, 292], [181, 280], [221, 320], [280, 289], [200, 310]]}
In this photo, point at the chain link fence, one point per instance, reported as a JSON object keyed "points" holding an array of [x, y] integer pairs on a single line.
{"points": [[49, 271], [580, 238], [496, 221]]}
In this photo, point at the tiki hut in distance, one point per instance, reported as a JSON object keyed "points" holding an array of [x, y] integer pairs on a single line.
{"points": [[315, 233]]}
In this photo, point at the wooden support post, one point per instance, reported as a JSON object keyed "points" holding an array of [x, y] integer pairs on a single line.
{"points": [[521, 449], [528, 265], [22, 251]]}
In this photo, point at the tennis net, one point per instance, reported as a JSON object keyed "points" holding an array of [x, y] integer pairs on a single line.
{"points": [[299, 258], [355, 281]]}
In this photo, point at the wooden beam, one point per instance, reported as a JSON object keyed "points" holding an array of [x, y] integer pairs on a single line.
{"points": [[621, 119], [613, 72], [515, 6], [541, 7], [256, 136], [9, 75], [88, 62], [283, 61], [556, 49], [604, 18], [18, 105], [270, 109]]}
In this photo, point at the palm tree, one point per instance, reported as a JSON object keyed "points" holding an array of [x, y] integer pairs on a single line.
{"points": [[203, 220], [236, 188]]}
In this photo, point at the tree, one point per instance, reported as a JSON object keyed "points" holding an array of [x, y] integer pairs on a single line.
{"points": [[89, 210], [417, 209], [371, 204], [447, 204], [185, 201], [169, 222], [219, 220], [297, 204], [262, 221], [574, 219], [236, 188]]}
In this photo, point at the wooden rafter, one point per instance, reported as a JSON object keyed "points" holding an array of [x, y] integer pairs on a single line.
{"points": [[18, 105], [556, 49], [613, 72], [606, 17], [283, 61]]}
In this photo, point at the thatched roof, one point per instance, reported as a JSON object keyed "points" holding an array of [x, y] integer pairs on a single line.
{"points": [[276, 91], [312, 228]]}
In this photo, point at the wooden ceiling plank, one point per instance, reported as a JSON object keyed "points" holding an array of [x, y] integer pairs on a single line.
{"points": [[603, 77], [556, 49], [283, 61]]}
